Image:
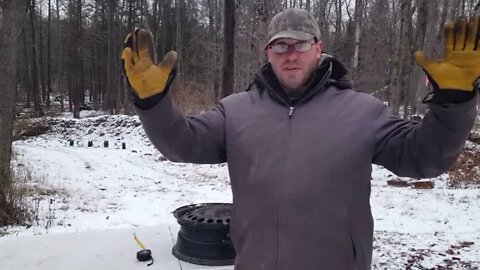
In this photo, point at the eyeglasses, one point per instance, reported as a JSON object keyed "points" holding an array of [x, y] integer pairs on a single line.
{"points": [[300, 47]]}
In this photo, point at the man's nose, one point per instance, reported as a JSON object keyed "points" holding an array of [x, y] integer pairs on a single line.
{"points": [[291, 53]]}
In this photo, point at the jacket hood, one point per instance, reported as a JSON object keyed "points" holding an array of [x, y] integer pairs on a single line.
{"points": [[329, 72], [338, 69]]}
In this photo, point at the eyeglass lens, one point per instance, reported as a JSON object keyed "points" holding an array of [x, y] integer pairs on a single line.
{"points": [[299, 47]]}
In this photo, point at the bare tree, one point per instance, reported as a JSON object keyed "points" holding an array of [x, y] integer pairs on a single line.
{"points": [[49, 57], [111, 86], [27, 84], [178, 7], [417, 78], [60, 70], [213, 29], [12, 12], [41, 57], [359, 6], [320, 11], [76, 70], [374, 50], [228, 48], [401, 63], [35, 69], [338, 26], [375, 38]]}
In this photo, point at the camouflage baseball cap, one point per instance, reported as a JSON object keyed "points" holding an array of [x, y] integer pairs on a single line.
{"points": [[293, 23]]}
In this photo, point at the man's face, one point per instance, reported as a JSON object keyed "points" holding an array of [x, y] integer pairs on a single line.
{"points": [[292, 68]]}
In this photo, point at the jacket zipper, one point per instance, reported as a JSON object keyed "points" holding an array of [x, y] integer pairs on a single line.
{"points": [[284, 102], [290, 114]]}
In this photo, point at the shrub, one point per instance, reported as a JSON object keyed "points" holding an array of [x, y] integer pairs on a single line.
{"points": [[23, 197], [466, 170], [14, 210]]}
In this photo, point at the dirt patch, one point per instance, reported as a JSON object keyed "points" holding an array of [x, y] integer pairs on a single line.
{"points": [[452, 260], [23, 129], [466, 169], [398, 183], [421, 184]]}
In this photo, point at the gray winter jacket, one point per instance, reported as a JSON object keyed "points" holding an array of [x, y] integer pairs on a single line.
{"points": [[300, 175]]}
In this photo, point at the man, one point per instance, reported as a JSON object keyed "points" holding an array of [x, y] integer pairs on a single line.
{"points": [[300, 148]]}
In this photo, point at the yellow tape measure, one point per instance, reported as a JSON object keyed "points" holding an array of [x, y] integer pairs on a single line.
{"points": [[144, 254]]}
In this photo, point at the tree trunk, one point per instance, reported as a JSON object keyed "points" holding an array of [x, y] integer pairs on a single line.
{"points": [[110, 90], [338, 28], [228, 48], [418, 76], [35, 88], [49, 50], [60, 61], [321, 14], [358, 24], [41, 59], [76, 83], [213, 34], [178, 8], [95, 84], [400, 59], [28, 83], [217, 44], [12, 17]]}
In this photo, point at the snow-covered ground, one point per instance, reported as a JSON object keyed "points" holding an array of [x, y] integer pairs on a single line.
{"points": [[90, 189]]}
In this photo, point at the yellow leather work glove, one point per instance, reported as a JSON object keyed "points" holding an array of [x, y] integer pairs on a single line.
{"points": [[455, 78], [145, 78]]}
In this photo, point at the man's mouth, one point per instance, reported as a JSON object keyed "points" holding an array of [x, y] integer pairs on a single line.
{"points": [[290, 68]]}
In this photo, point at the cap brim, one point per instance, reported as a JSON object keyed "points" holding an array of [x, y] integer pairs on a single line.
{"points": [[298, 35]]}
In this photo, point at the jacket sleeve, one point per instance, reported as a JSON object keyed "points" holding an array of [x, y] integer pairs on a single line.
{"points": [[199, 139], [423, 149]]}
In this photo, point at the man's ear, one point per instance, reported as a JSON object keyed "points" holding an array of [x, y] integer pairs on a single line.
{"points": [[319, 47], [266, 53]]}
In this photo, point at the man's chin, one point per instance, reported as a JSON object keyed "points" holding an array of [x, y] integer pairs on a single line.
{"points": [[293, 85], [292, 88]]}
